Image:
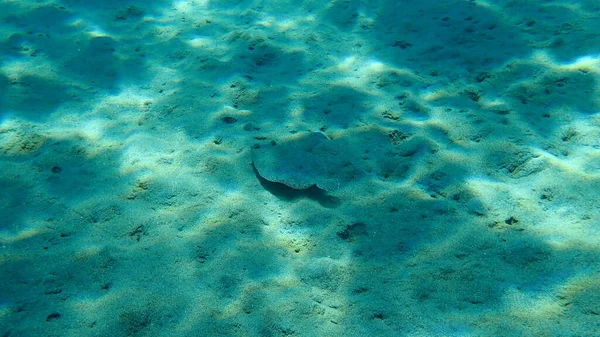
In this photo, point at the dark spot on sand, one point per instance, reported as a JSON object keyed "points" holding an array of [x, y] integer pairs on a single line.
{"points": [[229, 120], [53, 316]]}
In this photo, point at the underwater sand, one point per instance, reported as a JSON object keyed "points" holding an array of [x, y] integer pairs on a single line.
{"points": [[456, 179]]}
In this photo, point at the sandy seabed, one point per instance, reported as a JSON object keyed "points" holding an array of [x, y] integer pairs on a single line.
{"points": [[468, 204]]}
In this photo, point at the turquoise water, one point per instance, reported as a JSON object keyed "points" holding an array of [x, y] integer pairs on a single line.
{"points": [[161, 175]]}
